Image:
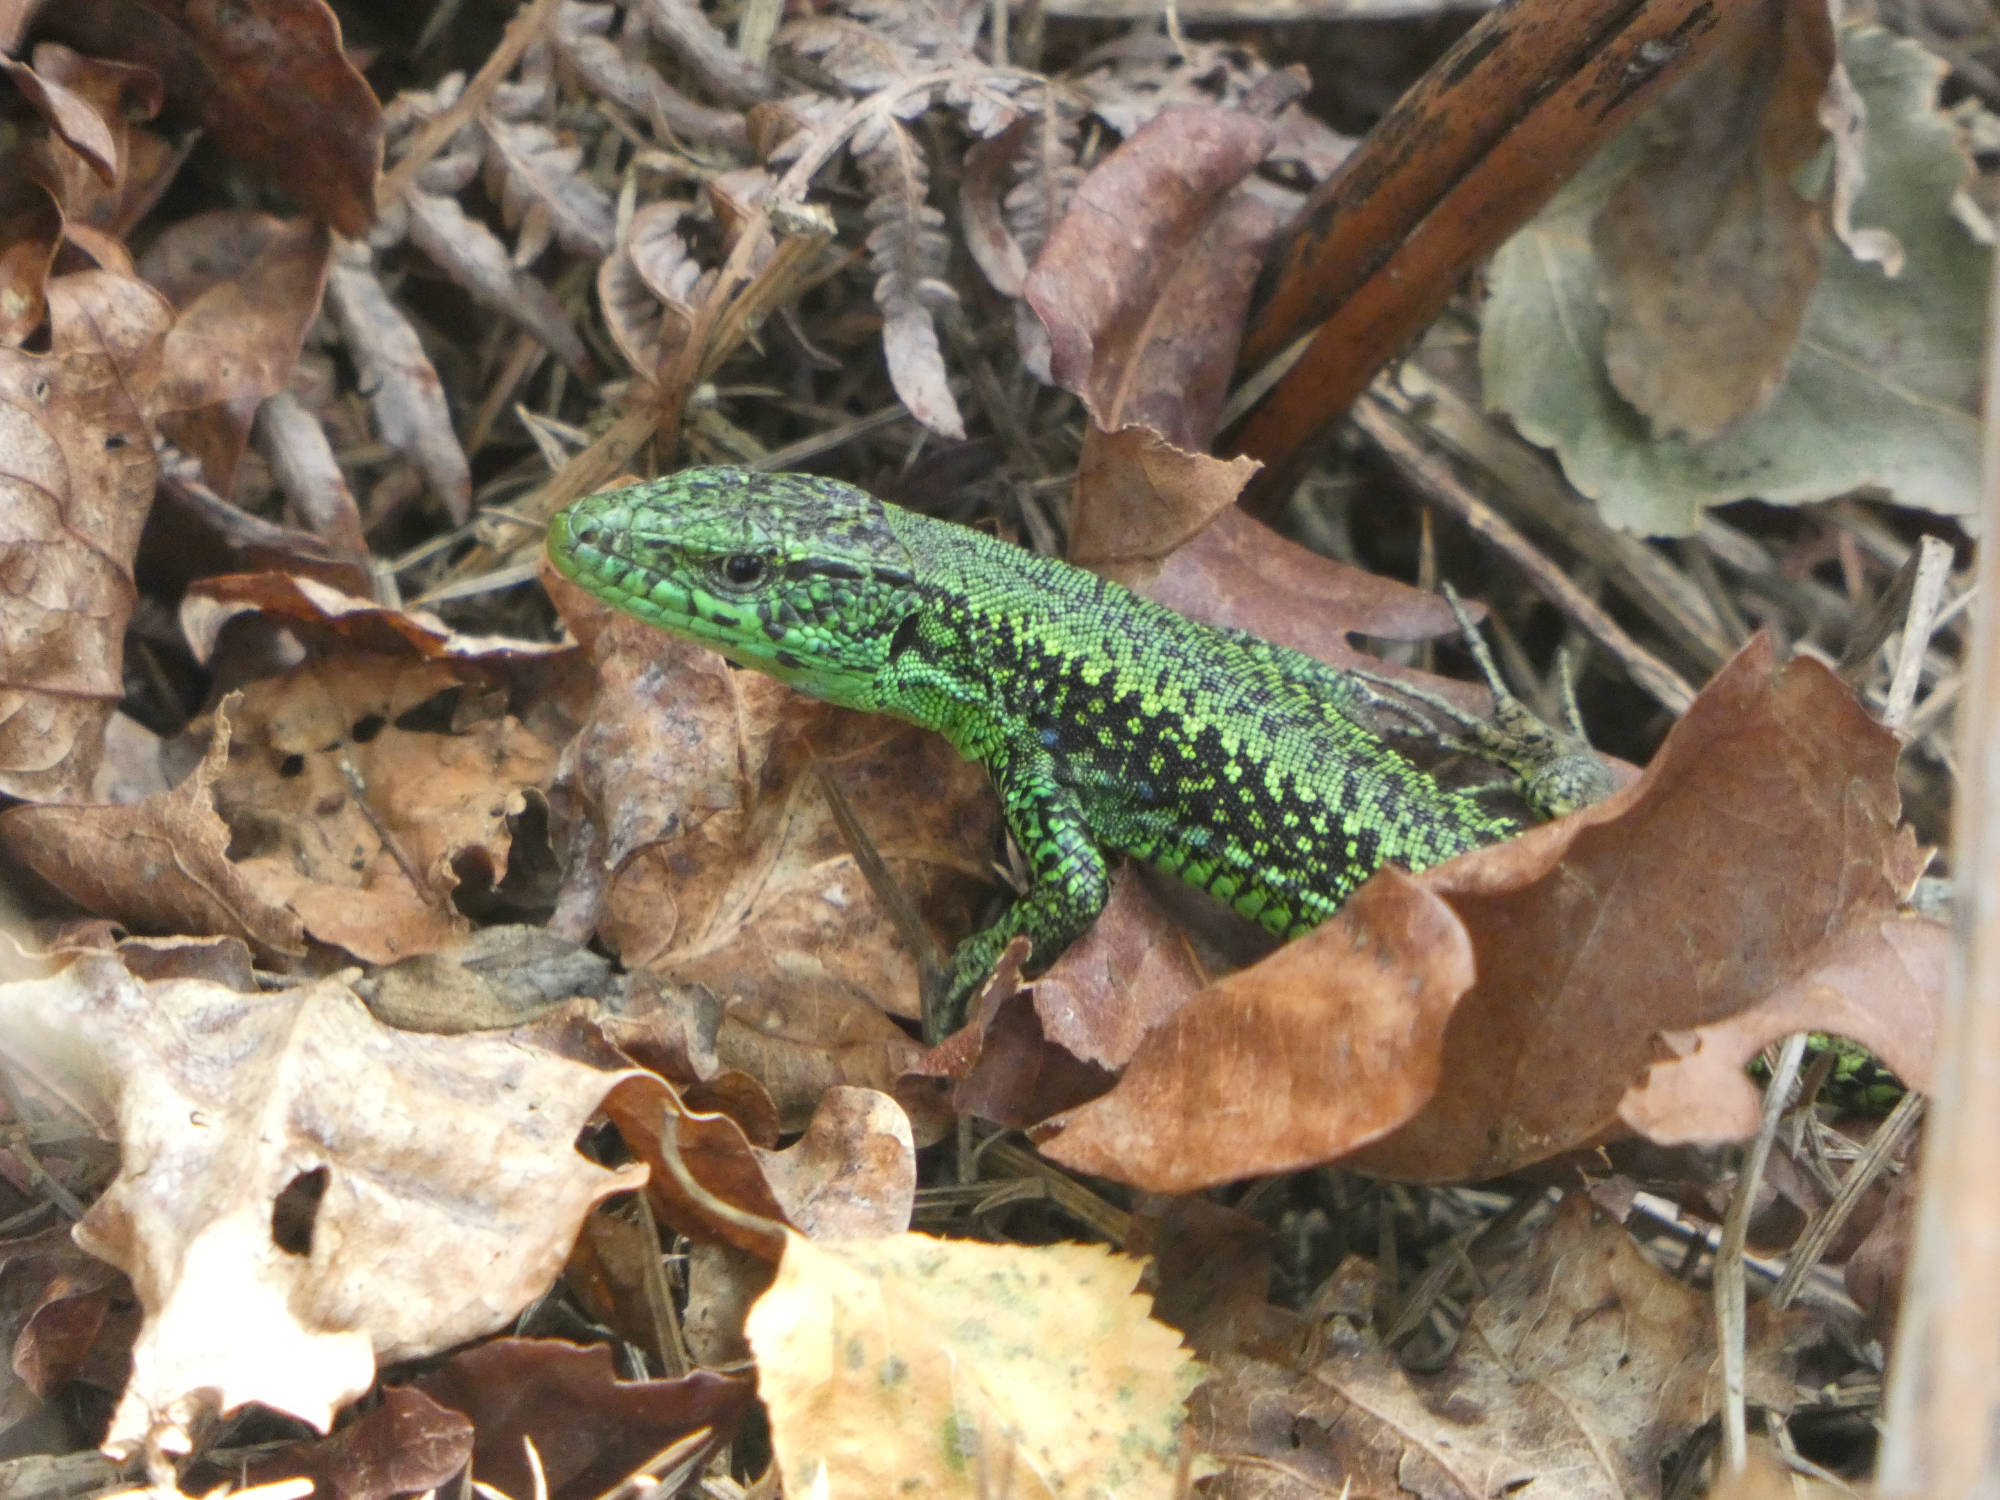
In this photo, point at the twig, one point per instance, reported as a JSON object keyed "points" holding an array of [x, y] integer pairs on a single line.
{"points": [[1731, 1312], [1434, 478], [1863, 1174], [432, 138]]}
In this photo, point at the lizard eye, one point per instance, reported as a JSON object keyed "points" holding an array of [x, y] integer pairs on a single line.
{"points": [[744, 570]]}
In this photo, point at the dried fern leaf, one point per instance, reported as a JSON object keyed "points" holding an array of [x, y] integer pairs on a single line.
{"points": [[581, 34], [535, 169], [909, 250], [405, 396], [472, 255]]}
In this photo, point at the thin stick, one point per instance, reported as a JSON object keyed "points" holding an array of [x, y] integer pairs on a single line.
{"points": [[1731, 1310], [1434, 478], [432, 138]]}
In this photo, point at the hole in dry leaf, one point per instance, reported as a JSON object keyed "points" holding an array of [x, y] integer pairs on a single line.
{"points": [[435, 715], [474, 893], [367, 727], [291, 765], [296, 1211]]}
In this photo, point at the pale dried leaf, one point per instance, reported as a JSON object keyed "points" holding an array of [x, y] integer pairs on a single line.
{"points": [[1710, 254], [472, 255], [305, 1192], [853, 1174], [302, 461], [611, 72], [79, 481], [246, 288], [909, 249], [961, 1369], [157, 865], [403, 389], [535, 168]]}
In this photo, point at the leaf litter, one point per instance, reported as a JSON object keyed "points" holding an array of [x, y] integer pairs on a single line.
{"points": [[591, 252]]}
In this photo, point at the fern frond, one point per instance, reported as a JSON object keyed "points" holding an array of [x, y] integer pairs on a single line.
{"points": [[909, 249]]}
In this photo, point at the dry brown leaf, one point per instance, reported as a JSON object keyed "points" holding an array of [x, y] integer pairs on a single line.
{"points": [[246, 288], [721, 865], [306, 1193], [1144, 284], [1140, 499], [1118, 981], [366, 826], [953, 1368], [853, 1174], [1753, 872], [1875, 1271], [143, 162], [358, 624], [1747, 887], [1710, 254], [405, 395], [590, 1429], [161, 865], [75, 495], [405, 1445], [268, 79], [1330, 1042], [1581, 1367], [31, 228]]}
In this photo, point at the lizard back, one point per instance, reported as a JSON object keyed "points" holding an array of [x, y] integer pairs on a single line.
{"points": [[1223, 759]]}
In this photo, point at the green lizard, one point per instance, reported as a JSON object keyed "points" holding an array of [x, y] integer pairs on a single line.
{"points": [[1108, 723]]}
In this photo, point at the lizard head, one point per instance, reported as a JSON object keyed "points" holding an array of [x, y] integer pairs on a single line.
{"points": [[794, 575]]}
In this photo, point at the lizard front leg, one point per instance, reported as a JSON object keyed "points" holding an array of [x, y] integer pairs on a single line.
{"points": [[1071, 883]]}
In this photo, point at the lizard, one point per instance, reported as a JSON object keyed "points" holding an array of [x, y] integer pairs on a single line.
{"points": [[1107, 723]]}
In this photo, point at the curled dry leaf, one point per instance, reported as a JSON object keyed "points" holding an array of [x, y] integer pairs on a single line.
{"points": [[1743, 879], [246, 288], [353, 1195], [160, 865], [1144, 284], [590, 1430], [269, 81], [360, 624], [79, 483], [404, 392], [1747, 886], [1332, 1041], [650, 287], [961, 1369]]}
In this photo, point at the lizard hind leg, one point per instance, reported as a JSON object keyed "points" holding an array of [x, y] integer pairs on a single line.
{"points": [[1554, 769]]}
